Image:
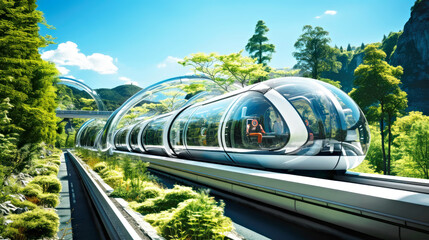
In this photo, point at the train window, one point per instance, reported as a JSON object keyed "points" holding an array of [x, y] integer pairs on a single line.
{"points": [[316, 109], [254, 123], [204, 124], [178, 127], [134, 136], [152, 134]]}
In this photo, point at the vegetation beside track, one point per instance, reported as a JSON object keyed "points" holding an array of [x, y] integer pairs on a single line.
{"points": [[177, 213]]}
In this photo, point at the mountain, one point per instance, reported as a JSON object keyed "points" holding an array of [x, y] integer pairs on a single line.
{"points": [[113, 98], [412, 53]]}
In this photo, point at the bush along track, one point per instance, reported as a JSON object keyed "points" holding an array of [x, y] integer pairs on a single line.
{"points": [[177, 213], [28, 199]]}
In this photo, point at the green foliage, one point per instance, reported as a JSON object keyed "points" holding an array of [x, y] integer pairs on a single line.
{"points": [[49, 200], [332, 82], [374, 155], [198, 218], [24, 77], [258, 47], [32, 190], [242, 70], [9, 137], [23, 204], [100, 166], [412, 143], [136, 190], [35, 224], [112, 177], [170, 199], [388, 45], [49, 184], [378, 93], [364, 167], [225, 70], [313, 54]]}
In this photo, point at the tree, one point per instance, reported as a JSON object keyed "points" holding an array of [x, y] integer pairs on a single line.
{"points": [[225, 70], [349, 48], [24, 77], [412, 139], [362, 46], [313, 54], [243, 70], [209, 65], [388, 45], [9, 134], [257, 46], [341, 49], [377, 91]]}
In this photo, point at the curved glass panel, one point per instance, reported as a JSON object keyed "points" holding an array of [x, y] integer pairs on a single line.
{"points": [[158, 99], [317, 112], [134, 138], [86, 88], [90, 133], [177, 131], [254, 123], [152, 134], [203, 127], [356, 142]]}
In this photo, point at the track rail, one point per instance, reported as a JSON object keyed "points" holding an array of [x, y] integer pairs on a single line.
{"points": [[400, 183], [377, 211]]}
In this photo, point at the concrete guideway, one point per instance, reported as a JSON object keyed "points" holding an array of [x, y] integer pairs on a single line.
{"points": [[376, 211], [113, 219]]}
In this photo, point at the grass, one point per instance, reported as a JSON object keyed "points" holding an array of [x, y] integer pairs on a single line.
{"points": [[177, 213]]}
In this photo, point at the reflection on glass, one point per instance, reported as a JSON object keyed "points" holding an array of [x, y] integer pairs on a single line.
{"points": [[204, 124], [90, 133], [318, 114], [255, 124], [177, 130], [152, 135], [168, 97]]}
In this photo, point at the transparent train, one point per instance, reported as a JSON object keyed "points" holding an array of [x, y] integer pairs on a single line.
{"points": [[286, 123]]}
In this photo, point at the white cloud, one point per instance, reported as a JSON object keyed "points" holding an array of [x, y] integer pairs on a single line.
{"points": [[330, 12], [128, 81], [73, 77], [327, 12], [63, 70], [68, 54], [168, 62]]}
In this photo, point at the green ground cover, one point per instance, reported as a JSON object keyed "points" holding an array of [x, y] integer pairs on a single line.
{"points": [[177, 213]]}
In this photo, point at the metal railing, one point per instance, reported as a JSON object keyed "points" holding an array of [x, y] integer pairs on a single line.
{"points": [[82, 114]]}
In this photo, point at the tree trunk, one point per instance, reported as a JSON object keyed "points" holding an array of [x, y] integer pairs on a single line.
{"points": [[382, 140], [389, 144]]}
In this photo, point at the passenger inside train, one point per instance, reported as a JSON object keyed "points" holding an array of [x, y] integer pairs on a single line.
{"points": [[254, 129]]}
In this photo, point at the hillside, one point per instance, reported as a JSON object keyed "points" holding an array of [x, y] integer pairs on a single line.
{"points": [[113, 98]]}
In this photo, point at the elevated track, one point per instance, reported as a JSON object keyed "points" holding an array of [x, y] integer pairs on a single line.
{"points": [[381, 207]]}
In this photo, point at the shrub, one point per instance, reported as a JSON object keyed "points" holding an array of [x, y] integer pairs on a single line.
{"points": [[49, 200], [56, 162], [200, 218], [32, 190], [35, 224], [49, 184], [100, 166], [113, 178], [23, 204], [170, 199], [139, 191]]}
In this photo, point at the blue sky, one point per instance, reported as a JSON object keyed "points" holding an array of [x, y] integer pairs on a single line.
{"points": [[108, 43]]}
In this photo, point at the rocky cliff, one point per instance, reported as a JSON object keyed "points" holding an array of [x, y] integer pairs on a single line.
{"points": [[412, 53]]}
